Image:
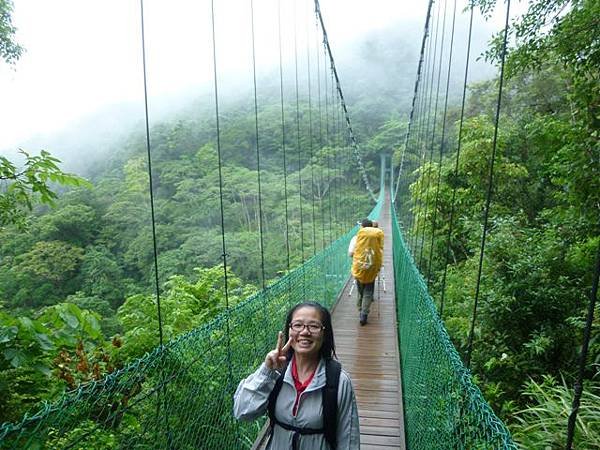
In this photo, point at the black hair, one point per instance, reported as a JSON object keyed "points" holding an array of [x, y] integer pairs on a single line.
{"points": [[327, 350], [366, 223]]}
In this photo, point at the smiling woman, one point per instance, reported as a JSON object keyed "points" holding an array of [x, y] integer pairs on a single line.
{"points": [[310, 402]]}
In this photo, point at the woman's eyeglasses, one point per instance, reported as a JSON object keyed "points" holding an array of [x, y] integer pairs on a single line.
{"points": [[312, 327]]}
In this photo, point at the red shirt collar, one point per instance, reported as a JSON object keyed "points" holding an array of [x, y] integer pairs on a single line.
{"points": [[300, 387]]}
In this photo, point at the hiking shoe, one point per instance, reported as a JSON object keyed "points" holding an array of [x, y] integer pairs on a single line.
{"points": [[363, 319]]}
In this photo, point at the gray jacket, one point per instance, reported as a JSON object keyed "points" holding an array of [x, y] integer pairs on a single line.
{"points": [[252, 395]]}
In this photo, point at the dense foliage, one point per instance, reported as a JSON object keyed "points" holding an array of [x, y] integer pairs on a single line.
{"points": [[543, 233]]}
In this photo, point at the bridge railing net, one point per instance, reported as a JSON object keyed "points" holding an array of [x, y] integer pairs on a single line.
{"points": [[180, 396], [443, 408]]}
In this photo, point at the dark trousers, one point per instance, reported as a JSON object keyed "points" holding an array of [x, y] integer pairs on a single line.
{"points": [[365, 296]]}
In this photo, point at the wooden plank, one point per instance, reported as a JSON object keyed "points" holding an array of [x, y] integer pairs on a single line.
{"points": [[377, 447], [378, 422], [382, 440], [381, 431], [366, 413]]}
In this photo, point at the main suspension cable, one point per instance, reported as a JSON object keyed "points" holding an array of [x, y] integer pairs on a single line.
{"points": [[341, 96]]}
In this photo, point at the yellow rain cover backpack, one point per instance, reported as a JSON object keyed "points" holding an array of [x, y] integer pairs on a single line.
{"points": [[368, 254]]}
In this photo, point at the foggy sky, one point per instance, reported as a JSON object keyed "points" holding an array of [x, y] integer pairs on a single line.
{"points": [[83, 56]]}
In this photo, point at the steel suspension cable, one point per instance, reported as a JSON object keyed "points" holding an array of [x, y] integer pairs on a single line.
{"points": [[283, 149], [587, 332], [222, 214], [412, 108], [341, 95], [432, 144], [421, 135], [310, 133], [425, 132], [260, 211], [437, 189], [335, 157], [458, 148], [414, 146], [489, 191], [321, 165], [329, 181], [160, 393], [149, 156], [299, 150]]}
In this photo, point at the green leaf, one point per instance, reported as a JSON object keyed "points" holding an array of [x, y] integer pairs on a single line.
{"points": [[7, 334], [43, 368], [69, 318], [15, 356], [44, 340]]}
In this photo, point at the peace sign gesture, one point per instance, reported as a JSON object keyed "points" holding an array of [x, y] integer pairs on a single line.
{"points": [[277, 358]]}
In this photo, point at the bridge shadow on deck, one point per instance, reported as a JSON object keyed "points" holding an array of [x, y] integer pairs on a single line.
{"points": [[370, 354]]}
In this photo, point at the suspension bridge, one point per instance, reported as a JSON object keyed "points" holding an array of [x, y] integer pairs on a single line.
{"points": [[412, 388]]}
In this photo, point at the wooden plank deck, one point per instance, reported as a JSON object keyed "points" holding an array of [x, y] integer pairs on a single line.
{"points": [[370, 355]]}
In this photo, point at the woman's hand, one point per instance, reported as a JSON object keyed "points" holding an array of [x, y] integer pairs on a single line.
{"points": [[277, 358]]}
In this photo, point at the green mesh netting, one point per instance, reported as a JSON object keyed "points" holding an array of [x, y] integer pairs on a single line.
{"points": [[180, 396], [443, 409]]}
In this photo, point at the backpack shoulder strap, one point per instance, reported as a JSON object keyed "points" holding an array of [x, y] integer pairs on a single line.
{"points": [[273, 396], [330, 405]]}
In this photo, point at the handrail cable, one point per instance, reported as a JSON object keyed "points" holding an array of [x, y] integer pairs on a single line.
{"points": [[341, 95], [442, 142], [412, 108], [489, 191], [458, 148]]}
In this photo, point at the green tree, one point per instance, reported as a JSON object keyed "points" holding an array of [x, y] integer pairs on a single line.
{"points": [[184, 305], [24, 186], [10, 50]]}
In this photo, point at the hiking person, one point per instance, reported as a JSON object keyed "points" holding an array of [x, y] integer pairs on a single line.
{"points": [[308, 397], [367, 258]]}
